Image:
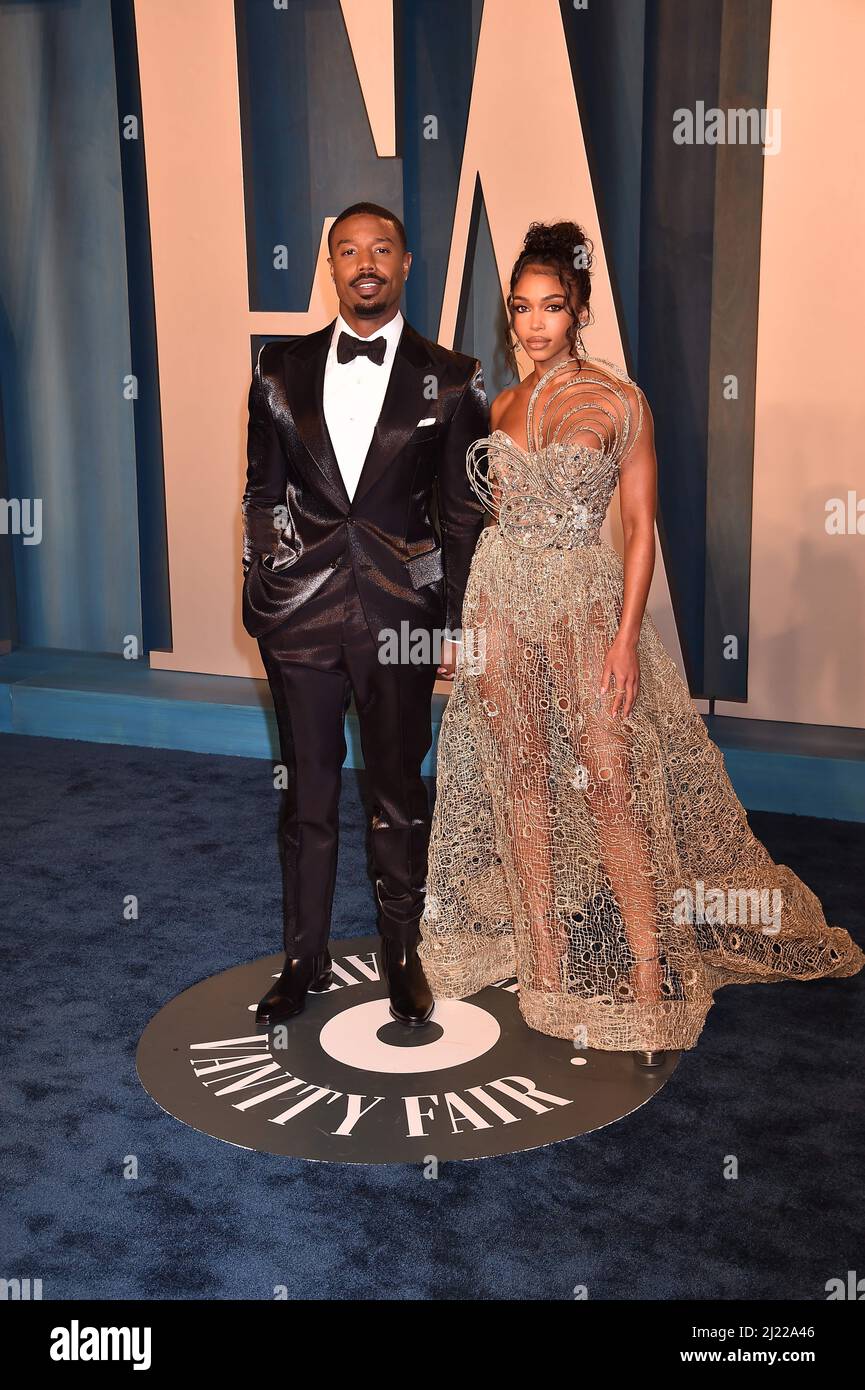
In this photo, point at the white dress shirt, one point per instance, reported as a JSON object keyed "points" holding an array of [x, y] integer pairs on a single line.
{"points": [[353, 397]]}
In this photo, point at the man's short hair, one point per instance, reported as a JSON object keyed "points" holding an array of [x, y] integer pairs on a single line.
{"points": [[371, 210]]}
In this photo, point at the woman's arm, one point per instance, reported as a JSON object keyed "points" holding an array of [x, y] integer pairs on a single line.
{"points": [[638, 493]]}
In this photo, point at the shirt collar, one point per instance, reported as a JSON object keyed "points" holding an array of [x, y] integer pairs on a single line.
{"points": [[391, 331]]}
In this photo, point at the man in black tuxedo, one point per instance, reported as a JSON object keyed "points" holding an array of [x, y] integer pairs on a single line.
{"points": [[354, 432]]}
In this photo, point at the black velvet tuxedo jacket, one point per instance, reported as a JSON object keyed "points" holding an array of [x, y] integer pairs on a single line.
{"points": [[298, 521]]}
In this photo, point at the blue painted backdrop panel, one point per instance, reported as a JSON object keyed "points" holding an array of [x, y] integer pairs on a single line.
{"points": [[64, 330]]}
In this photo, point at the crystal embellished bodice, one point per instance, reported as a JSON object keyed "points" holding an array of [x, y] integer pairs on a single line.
{"points": [[583, 418]]}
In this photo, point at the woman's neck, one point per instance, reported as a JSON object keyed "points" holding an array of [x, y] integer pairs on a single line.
{"points": [[540, 369]]}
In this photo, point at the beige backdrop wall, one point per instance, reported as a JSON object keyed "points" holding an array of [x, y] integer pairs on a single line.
{"points": [[807, 643]]}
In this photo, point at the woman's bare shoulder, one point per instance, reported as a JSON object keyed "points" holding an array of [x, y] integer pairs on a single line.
{"points": [[618, 376], [502, 403]]}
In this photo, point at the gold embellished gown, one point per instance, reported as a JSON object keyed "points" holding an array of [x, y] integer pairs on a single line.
{"points": [[604, 862]]}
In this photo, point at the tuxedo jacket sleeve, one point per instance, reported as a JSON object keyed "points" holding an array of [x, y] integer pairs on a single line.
{"points": [[461, 513], [264, 496]]}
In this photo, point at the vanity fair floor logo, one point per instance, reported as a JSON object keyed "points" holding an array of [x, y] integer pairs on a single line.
{"points": [[343, 1082]]}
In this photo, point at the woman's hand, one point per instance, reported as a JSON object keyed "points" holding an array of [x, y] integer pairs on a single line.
{"points": [[623, 664], [447, 670]]}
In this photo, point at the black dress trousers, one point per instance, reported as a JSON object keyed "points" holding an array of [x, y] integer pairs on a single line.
{"points": [[314, 662]]}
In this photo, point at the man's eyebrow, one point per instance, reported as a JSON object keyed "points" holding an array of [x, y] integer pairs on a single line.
{"points": [[350, 241]]}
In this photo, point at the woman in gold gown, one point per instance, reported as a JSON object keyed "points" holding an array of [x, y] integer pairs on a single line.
{"points": [[586, 838]]}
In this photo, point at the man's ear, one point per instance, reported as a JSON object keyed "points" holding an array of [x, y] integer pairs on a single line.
{"points": [[406, 262]]}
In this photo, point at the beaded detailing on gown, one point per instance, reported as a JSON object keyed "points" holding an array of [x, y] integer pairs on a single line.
{"points": [[605, 862]]}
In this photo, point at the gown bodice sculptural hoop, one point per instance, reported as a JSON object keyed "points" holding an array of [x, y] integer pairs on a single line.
{"points": [[581, 422], [604, 862]]}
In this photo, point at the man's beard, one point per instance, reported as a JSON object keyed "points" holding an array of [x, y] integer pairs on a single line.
{"points": [[368, 308]]}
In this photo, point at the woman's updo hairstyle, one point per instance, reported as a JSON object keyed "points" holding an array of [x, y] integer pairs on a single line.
{"points": [[564, 248]]}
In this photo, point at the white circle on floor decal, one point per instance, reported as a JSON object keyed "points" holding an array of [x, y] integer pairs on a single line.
{"points": [[350, 1037]]}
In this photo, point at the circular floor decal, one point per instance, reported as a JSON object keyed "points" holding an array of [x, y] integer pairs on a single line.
{"points": [[343, 1082]]}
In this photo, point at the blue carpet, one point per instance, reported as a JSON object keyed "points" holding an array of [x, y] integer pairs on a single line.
{"points": [[638, 1210]]}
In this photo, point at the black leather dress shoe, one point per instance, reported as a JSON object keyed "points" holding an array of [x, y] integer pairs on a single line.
{"points": [[411, 998], [287, 995]]}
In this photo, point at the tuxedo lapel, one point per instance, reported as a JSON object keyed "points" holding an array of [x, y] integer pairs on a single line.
{"points": [[304, 384], [401, 409]]}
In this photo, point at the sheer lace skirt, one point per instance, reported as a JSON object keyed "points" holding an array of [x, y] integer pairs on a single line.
{"points": [[606, 863]]}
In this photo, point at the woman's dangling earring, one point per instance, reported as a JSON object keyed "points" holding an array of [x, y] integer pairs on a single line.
{"points": [[580, 345]]}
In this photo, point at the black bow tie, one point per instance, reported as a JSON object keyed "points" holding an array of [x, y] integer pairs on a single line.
{"points": [[348, 348]]}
